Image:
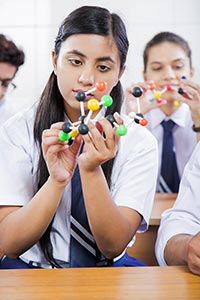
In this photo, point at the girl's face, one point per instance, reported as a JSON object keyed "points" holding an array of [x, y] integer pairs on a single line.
{"points": [[166, 64], [83, 60]]}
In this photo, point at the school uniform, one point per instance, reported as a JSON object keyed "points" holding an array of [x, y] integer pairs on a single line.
{"points": [[184, 137], [184, 216], [133, 179], [6, 110]]}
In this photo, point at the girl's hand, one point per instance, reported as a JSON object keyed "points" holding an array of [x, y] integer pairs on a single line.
{"points": [[100, 144], [193, 90], [145, 104], [59, 156]]}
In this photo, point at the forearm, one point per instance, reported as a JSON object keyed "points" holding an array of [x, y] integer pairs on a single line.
{"points": [[176, 250], [22, 228], [112, 227]]}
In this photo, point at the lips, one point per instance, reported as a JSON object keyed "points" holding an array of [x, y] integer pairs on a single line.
{"points": [[88, 96], [172, 85]]}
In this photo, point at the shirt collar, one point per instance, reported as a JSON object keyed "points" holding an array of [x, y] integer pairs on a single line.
{"points": [[179, 116]]}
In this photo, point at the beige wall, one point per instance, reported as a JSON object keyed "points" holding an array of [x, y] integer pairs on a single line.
{"points": [[34, 24]]}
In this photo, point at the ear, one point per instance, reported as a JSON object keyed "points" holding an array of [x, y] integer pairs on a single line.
{"points": [[53, 55]]}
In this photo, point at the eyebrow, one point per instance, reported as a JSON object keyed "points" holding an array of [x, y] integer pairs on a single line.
{"points": [[103, 58], [175, 60]]}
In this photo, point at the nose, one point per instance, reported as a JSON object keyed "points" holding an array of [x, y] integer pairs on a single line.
{"points": [[87, 77], [169, 73]]}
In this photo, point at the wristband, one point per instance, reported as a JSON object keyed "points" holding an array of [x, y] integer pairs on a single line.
{"points": [[196, 129]]}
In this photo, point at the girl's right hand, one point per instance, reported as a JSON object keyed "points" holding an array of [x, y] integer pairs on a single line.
{"points": [[60, 158], [145, 104]]}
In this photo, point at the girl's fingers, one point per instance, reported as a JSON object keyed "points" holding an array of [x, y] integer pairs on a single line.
{"points": [[57, 125], [51, 137], [190, 83], [99, 135], [54, 149], [109, 135], [118, 118]]}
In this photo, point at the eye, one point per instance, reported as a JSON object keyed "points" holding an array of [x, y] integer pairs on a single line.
{"points": [[157, 68], [178, 67], [75, 61], [103, 68]]}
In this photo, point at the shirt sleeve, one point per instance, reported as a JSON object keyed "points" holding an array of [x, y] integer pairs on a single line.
{"points": [[184, 216], [16, 167], [135, 173]]}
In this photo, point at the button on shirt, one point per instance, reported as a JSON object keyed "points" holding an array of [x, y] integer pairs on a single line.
{"points": [[133, 179], [184, 217], [185, 138]]}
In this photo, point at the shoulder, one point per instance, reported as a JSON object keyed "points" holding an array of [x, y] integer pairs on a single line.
{"points": [[20, 126], [138, 135]]}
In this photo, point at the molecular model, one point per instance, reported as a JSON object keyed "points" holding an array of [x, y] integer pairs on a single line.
{"points": [[137, 92], [157, 94], [71, 130], [138, 117]]}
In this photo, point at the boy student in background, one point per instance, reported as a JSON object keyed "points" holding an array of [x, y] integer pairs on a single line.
{"points": [[76, 204], [178, 239], [11, 58], [168, 63]]}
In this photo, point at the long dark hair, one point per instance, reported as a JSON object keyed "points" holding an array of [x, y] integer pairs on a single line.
{"points": [[166, 36], [84, 20]]}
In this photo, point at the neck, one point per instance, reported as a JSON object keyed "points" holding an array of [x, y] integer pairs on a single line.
{"points": [[74, 115], [169, 108]]}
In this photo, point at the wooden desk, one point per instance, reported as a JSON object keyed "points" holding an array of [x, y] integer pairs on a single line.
{"points": [[100, 283], [161, 203], [145, 242]]}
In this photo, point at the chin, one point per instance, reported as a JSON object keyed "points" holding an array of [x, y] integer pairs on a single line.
{"points": [[170, 96]]}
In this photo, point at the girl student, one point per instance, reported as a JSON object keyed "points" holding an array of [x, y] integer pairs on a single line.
{"points": [[167, 60], [117, 175]]}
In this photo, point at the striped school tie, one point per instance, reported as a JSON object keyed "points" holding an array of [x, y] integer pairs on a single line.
{"points": [[169, 178], [83, 249]]}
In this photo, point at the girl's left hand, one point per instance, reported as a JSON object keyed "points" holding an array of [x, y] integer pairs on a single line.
{"points": [[100, 144], [193, 90]]}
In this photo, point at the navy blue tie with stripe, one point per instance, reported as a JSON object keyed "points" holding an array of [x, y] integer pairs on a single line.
{"points": [[169, 179], [83, 249]]}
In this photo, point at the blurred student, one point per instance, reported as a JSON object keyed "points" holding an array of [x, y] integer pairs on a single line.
{"points": [[178, 240], [11, 58], [175, 122]]}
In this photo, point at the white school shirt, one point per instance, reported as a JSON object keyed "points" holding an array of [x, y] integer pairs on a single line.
{"points": [[185, 139], [133, 178], [6, 110], [184, 216]]}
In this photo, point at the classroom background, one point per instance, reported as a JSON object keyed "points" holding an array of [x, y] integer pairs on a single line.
{"points": [[33, 25]]}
